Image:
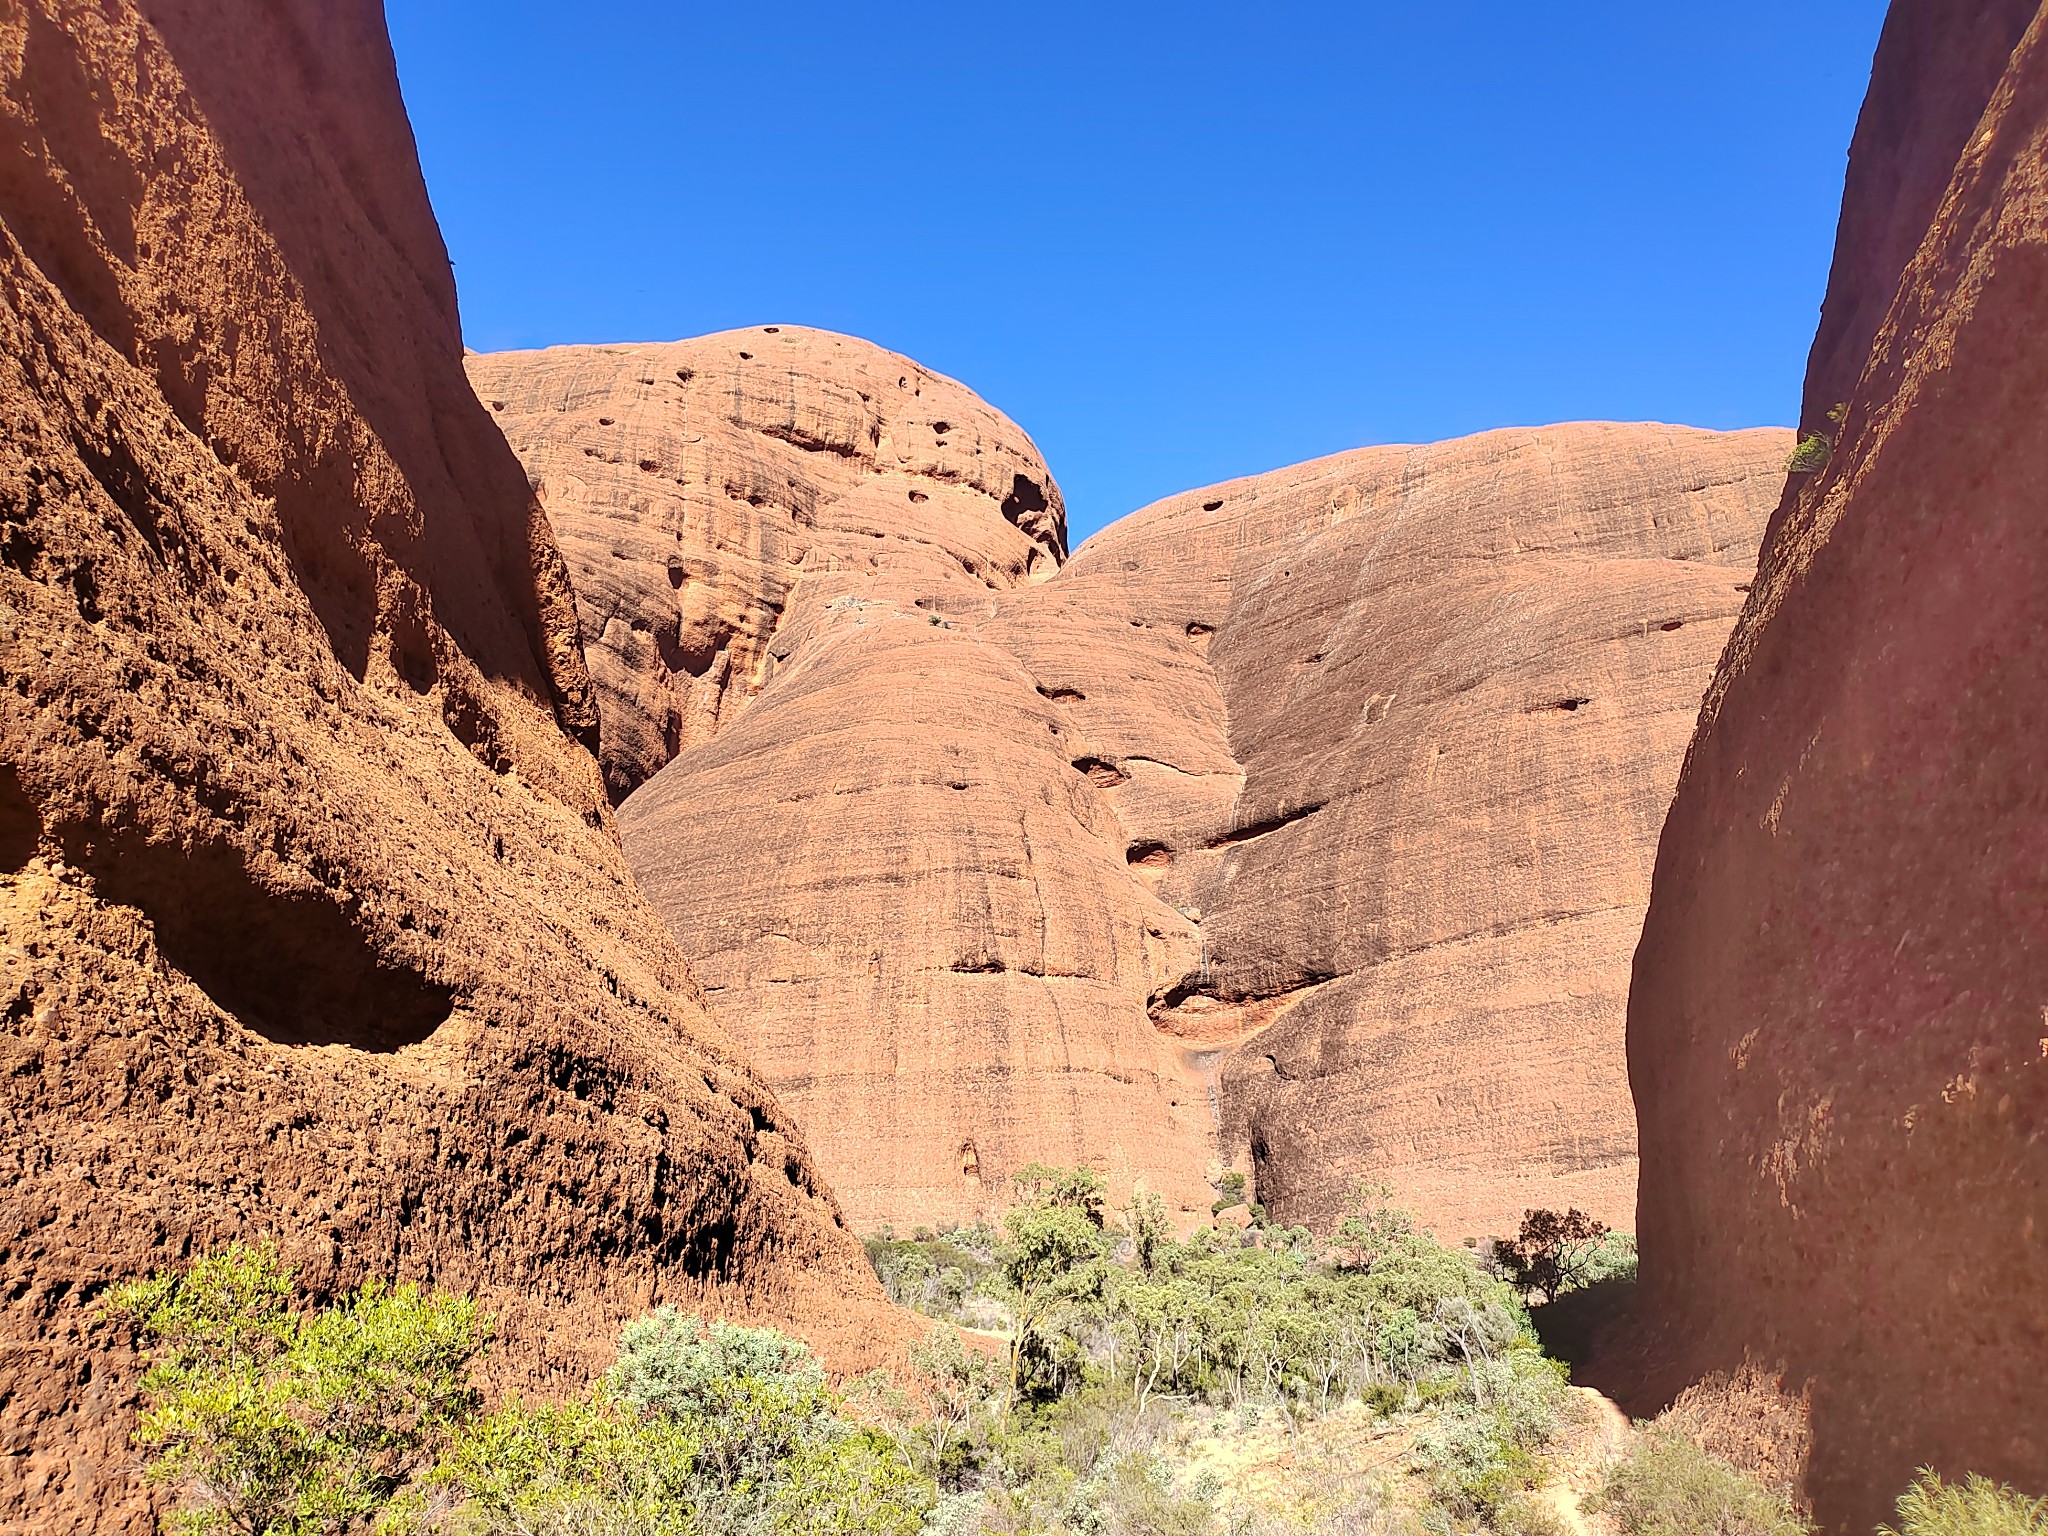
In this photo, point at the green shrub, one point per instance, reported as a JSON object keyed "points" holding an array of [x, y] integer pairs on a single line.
{"points": [[1668, 1486], [555, 1469], [1482, 1454], [1975, 1507], [1813, 455], [281, 1423]]}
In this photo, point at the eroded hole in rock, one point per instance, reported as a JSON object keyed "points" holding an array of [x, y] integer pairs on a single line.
{"points": [[1060, 695], [1200, 631], [771, 329], [1671, 625], [1265, 826], [605, 421], [1571, 705], [970, 1161], [1026, 499], [290, 967], [941, 428], [21, 824], [1148, 855], [1100, 771], [747, 357], [684, 375], [1212, 506]]}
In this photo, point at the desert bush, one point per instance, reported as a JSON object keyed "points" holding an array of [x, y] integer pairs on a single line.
{"points": [[1975, 1507], [278, 1422], [590, 1468], [1481, 1455], [1813, 454], [1555, 1253], [1668, 1486]]}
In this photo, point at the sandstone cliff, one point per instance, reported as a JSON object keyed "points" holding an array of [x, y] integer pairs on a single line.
{"points": [[697, 485], [1304, 822], [1836, 1028], [312, 917]]}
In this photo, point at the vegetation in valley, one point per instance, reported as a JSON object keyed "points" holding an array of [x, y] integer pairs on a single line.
{"points": [[1090, 1370]]}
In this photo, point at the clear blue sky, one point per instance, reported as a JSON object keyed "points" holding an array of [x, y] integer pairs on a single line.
{"points": [[1177, 242]]}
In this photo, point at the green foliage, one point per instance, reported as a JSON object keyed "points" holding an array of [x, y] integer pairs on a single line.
{"points": [[1555, 1253], [1974, 1507], [857, 1481], [1813, 455], [568, 1467], [1230, 1191], [1668, 1486], [956, 1388], [1481, 1455], [280, 1423]]}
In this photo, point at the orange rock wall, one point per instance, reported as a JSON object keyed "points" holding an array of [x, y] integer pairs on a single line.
{"points": [[1302, 823], [1836, 1030], [313, 920]]}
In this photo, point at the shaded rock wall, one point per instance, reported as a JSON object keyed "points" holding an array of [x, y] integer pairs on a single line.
{"points": [[1303, 822], [1937, 64], [313, 921], [1836, 1029]]}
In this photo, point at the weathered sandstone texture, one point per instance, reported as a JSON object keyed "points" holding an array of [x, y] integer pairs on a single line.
{"points": [[312, 917], [696, 486], [1302, 823], [1837, 1035], [1937, 64]]}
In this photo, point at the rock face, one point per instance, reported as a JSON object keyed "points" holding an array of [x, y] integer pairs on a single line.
{"points": [[312, 917], [697, 485], [1937, 64], [1836, 1029], [1302, 823]]}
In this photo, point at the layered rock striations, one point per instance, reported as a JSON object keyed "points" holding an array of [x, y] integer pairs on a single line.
{"points": [[1836, 1029], [696, 485], [1302, 823], [1456, 682], [313, 921]]}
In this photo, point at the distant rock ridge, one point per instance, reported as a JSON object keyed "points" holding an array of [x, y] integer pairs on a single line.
{"points": [[313, 919], [1302, 823], [1837, 1036]]}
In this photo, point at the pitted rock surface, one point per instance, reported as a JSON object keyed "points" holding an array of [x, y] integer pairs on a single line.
{"points": [[313, 921]]}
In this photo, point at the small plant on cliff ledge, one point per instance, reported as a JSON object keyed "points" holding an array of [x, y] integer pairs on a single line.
{"points": [[1813, 455], [283, 1423]]}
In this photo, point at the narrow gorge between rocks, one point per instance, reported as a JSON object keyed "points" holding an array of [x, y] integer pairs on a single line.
{"points": [[610, 835]]}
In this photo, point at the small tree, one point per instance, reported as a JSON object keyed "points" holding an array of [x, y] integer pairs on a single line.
{"points": [[1553, 1253], [281, 1423], [1150, 1229], [1050, 1258], [952, 1384], [1373, 1227]]}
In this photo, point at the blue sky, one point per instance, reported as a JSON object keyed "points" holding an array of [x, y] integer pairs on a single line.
{"points": [[1176, 242]]}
